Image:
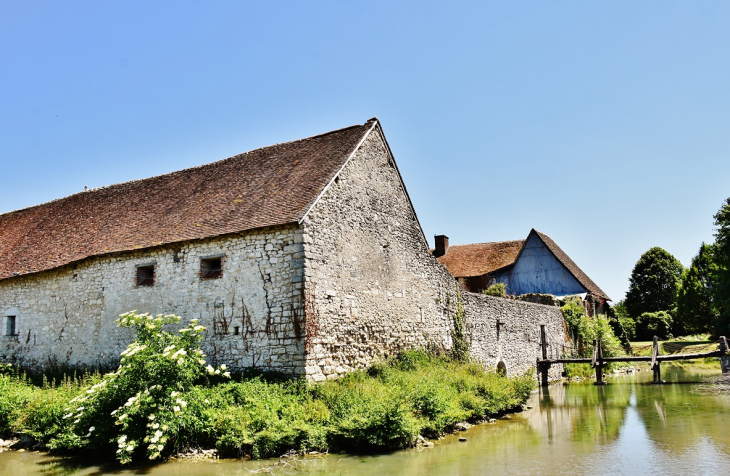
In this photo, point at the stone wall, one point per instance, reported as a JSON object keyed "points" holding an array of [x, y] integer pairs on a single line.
{"points": [[507, 330], [66, 316], [372, 287]]}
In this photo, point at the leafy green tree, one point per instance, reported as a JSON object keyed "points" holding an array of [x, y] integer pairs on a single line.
{"points": [[654, 283], [721, 275], [695, 308]]}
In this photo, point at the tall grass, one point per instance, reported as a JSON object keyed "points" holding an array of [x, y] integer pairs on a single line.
{"points": [[37, 410], [384, 407], [164, 399]]}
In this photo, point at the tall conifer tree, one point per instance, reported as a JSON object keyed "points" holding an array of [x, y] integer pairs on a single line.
{"points": [[721, 288], [695, 308]]}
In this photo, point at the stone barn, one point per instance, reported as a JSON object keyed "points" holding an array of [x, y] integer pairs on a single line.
{"points": [[304, 257]]}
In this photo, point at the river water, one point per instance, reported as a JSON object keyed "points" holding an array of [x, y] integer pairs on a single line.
{"points": [[626, 427]]}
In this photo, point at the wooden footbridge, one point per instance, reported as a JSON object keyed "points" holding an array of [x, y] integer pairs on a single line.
{"points": [[598, 361]]}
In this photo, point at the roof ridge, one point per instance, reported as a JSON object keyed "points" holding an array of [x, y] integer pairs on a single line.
{"points": [[342, 129], [486, 243]]}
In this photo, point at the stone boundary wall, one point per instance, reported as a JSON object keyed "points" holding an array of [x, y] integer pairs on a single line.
{"points": [[515, 341], [65, 317], [373, 288]]}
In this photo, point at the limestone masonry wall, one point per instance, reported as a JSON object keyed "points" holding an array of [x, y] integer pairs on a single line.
{"points": [[373, 288], [515, 340], [67, 316]]}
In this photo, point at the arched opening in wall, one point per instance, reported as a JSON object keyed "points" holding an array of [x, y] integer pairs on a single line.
{"points": [[502, 368]]}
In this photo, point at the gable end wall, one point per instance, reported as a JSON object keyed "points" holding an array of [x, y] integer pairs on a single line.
{"points": [[537, 270], [372, 287]]}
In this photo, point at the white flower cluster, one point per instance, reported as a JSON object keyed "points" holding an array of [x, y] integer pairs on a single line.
{"points": [[132, 349], [131, 318], [158, 407], [125, 446], [213, 371]]}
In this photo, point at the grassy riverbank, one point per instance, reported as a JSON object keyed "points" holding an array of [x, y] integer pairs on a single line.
{"points": [[127, 415]]}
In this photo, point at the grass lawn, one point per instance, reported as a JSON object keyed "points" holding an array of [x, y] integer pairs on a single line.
{"points": [[680, 345]]}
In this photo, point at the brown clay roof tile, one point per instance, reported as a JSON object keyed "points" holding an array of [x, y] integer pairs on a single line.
{"points": [[478, 259], [271, 186]]}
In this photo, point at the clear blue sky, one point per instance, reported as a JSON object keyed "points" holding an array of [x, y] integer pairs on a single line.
{"points": [[604, 124]]}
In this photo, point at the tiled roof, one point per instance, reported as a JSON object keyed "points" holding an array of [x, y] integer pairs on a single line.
{"points": [[464, 261], [478, 259], [271, 186], [577, 273]]}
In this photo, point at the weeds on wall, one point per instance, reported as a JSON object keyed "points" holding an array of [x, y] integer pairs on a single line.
{"points": [[496, 290], [460, 341]]}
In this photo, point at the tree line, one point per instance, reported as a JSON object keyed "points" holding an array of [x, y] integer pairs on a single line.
{"points": [[665, 298]]}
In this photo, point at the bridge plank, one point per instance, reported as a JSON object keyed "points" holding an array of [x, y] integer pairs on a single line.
{"points": [[639, 358]]}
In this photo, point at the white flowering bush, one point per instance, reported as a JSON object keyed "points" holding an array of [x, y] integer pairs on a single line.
{"points": [[142, 407]]}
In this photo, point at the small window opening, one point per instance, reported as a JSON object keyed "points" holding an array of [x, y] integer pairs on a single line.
{"points": [[10, 325], [211, 268], [146, 275]]}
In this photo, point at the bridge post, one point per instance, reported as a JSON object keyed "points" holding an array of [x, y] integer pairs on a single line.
{"points": [[543, 367], [725, 358], [543, 341], [655, 363], [598, 362]]}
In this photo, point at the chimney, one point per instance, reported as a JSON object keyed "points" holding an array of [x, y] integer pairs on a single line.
{"points": [[442, 245]]}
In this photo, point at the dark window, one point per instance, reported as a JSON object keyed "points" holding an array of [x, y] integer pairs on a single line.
{"points": [[211, 268], [146, 275], [10, 325]]}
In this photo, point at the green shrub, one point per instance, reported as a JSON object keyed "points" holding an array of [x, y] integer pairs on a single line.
{"points": [[651, 324], [573, 311], [584, 330], [629, 326], [15, 393], [143, 406], [496, 290], [594, 328]]}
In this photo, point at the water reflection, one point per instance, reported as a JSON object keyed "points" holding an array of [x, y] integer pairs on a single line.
{"points": [[627, 427]]}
